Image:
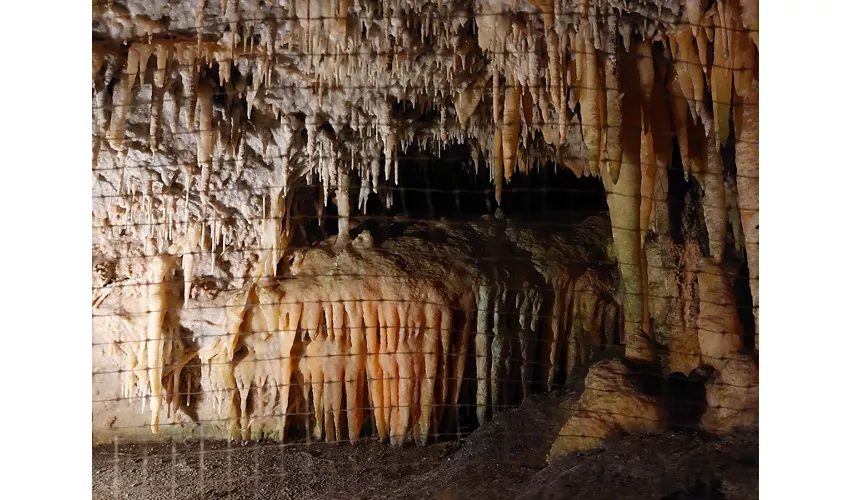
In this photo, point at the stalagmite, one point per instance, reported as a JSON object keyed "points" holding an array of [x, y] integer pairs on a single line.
{"points": [[556, 327], [497, 351], [482, 353], [720, 332], [526, 340], [684, 347], [624, 200], [157, 307], [343, 204], [444, 363]]}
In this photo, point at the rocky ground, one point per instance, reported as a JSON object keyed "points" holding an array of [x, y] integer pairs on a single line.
{"points": [[504, 459]]}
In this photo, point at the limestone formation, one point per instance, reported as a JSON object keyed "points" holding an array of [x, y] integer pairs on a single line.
{"points": [[222, 130], [611, 404], [733, 396]]}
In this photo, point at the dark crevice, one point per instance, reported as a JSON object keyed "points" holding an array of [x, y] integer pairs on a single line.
{"points": [[685, 399], [744, 303], [735, 260], [682, 396], [694, 216], [677, 187]]}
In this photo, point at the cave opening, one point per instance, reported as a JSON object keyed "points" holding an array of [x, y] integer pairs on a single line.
{"points": [[448, 187]]}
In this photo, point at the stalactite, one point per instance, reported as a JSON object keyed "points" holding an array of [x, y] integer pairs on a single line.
{"points": [[714, 201], [205, 137], [746, 158], [589, 96], [733, 215], [679, 106], [721, 85], [497, 143], [614, 116], [510, 129], [750, 19], [379, 91], [343, 203], [123, 100], [648, 168]]}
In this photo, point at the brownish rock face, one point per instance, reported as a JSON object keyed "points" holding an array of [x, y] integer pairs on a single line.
{"points": [[611, 404], [733, 396]]}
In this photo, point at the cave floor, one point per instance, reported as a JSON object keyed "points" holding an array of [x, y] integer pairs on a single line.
{"points": [[504, 459]]}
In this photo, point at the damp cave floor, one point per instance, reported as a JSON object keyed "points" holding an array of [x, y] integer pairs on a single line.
{"points": [[506, 458]]}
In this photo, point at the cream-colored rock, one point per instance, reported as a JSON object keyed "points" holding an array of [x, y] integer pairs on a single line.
{"points": [[719, 328], [609, 406], [203, 159], [369, 325], [733, 396]]}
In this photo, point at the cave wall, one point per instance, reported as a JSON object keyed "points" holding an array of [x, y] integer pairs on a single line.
{"points": [[207, 117]]}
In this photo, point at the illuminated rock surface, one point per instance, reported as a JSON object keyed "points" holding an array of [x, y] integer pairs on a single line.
{"points": [[211, 118]]}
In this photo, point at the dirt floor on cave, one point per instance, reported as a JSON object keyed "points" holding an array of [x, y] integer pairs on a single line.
{"points": [[504, 459]]}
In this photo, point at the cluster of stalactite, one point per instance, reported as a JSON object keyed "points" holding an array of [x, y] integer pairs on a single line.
{"points": [[208, 115], [374, 327]]}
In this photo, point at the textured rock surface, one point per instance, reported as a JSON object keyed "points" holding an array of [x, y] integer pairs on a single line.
{"points": [[733, 396], [383, 328], [221, 131], [611, 404]]}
